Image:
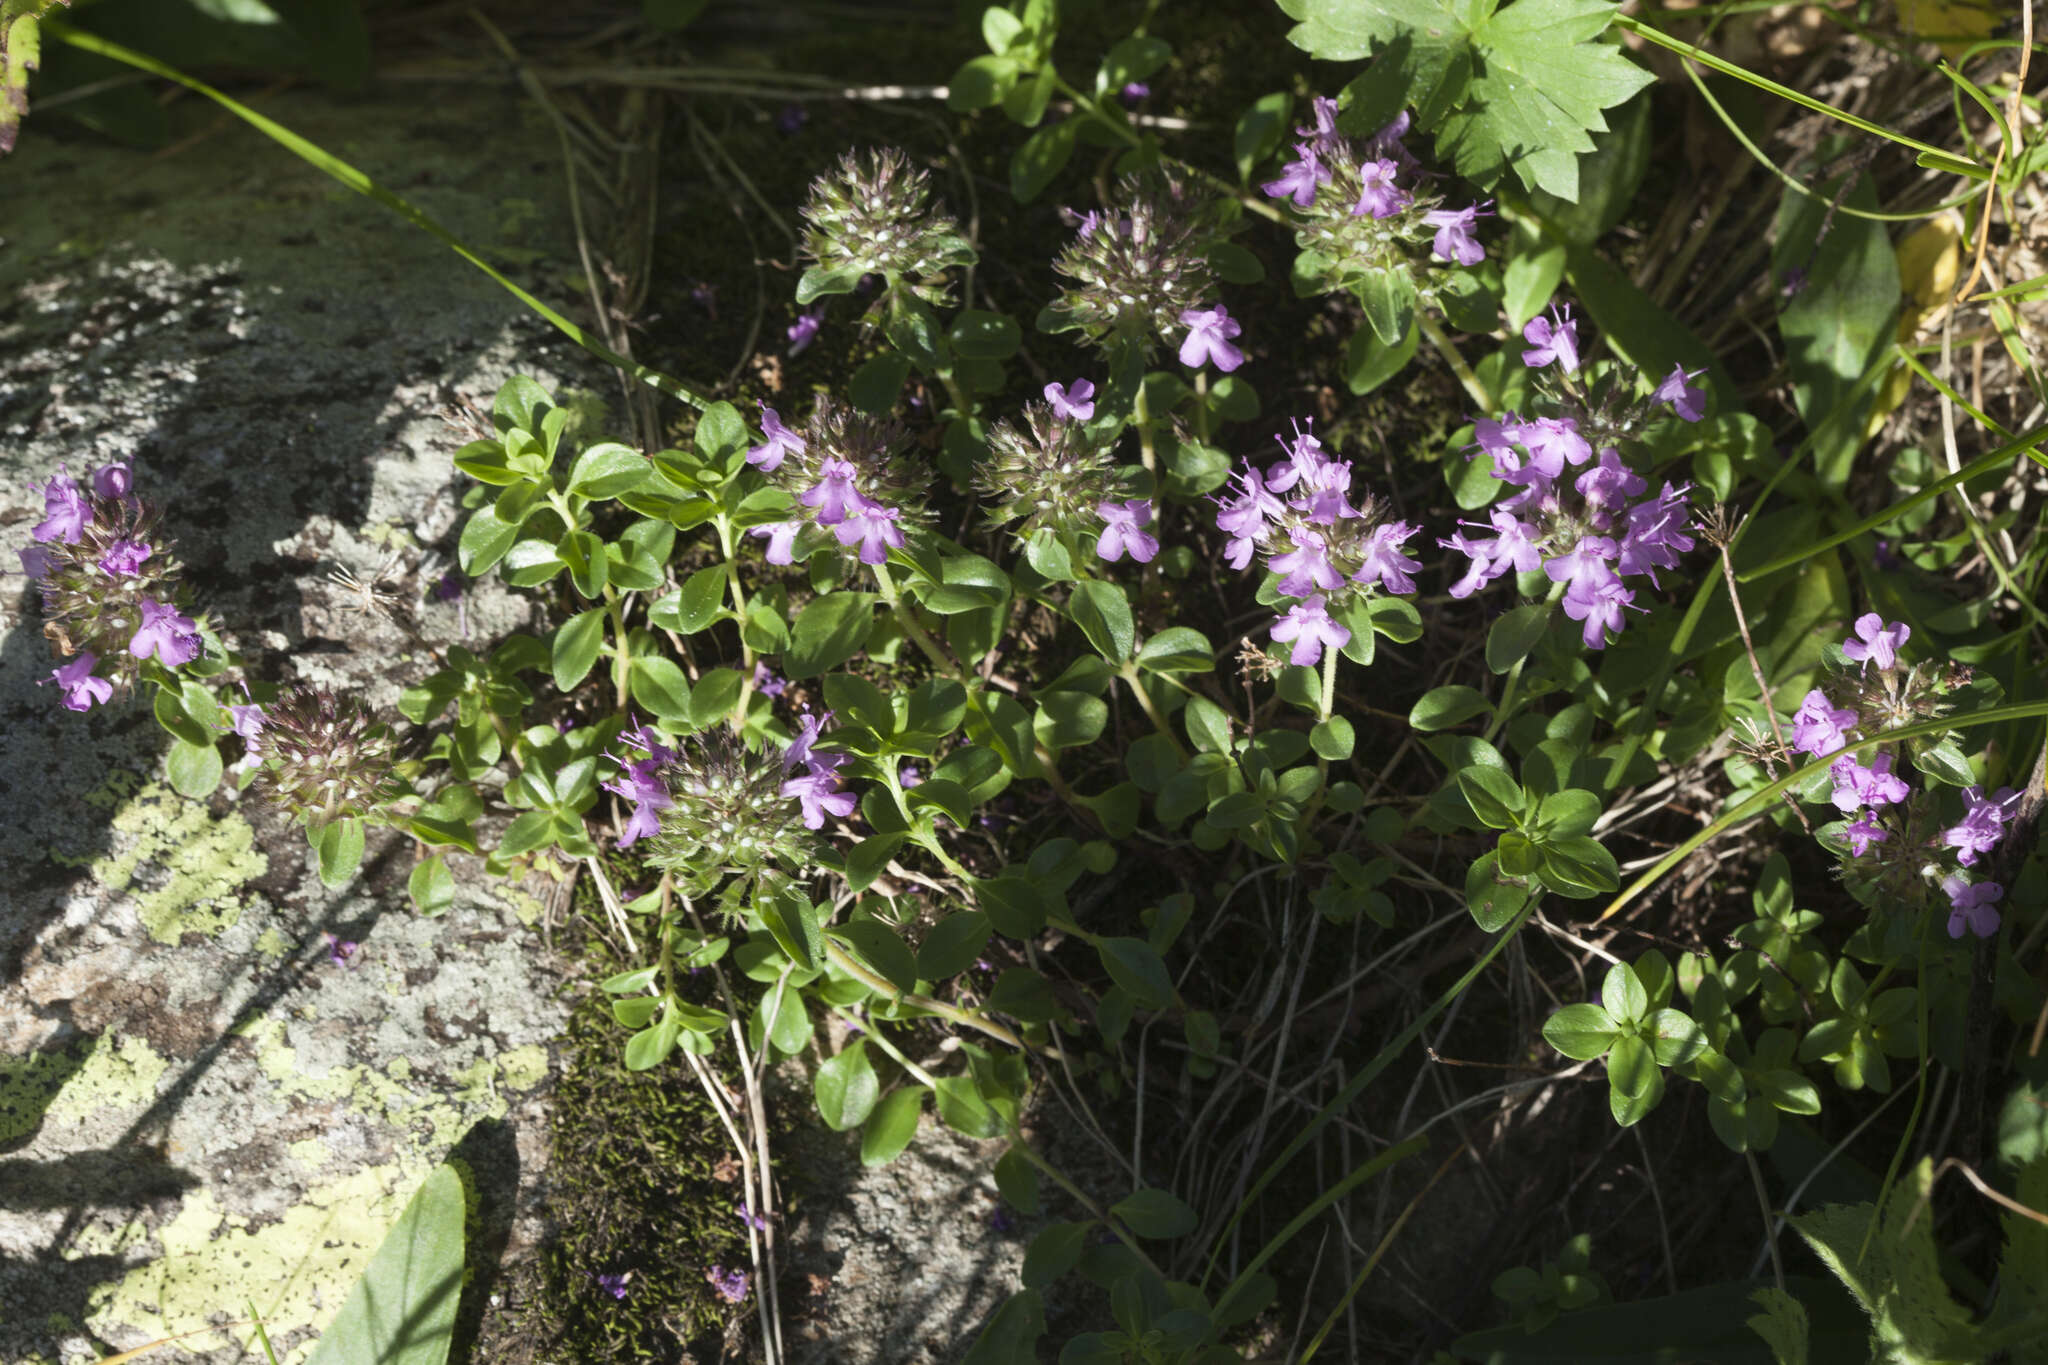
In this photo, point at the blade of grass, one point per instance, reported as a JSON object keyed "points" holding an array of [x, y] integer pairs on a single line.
{"points": [[362, 184]]}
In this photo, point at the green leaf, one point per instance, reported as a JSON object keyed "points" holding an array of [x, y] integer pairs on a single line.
{"points": [[877, 383], [1673, 1037], [1623, 995], [608, 469], [1495, 797], [402, 1310], [1443, 707], [575, 647], [1017, 1181], [1782, 1325], [1514, 634], [1155, 1214], [338, 846], [962, 1108], [1370, 362], [1131, 59], [846, 1088], [1388, 296], [1043, 155], [660, 686], [981, 81], [1581, 1032], [986, 336], [952, 945], [1579, 867], [703, 594], [432, 886], [651, 1046], [1054, 1251], [1178, 649], [1894, 1271], [1260, 130], [484, 542], [534, 829], [883, 950], [195, 769], [1068, 719], [891, 1127], [819, 281], [721, 433], [583, 552], [1840, 322], [828, 632], [1104, 615], [1134, 965], [1332, 739]]}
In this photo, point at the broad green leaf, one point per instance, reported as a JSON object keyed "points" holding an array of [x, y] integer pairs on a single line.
{"points": [[1155, 1214], [1043, 155], [1514, 634], [432, 886], [659, 685], [484, 542], [402, 1310], [1388, 297], [607, 470], [1104, 615], [1134, 965], [1017, 1181], [1623, 995], [1581, 1031], [988, 336], [1370, 362], [576, 644], [1260, 130], [846, 1088], [584, 553], [828, 632], [952, 945], [338, 846], [891, 1126], [195, 769], [1443, 707]]}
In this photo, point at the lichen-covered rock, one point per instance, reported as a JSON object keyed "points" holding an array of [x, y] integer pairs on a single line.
{"points": [[207, 1100]]}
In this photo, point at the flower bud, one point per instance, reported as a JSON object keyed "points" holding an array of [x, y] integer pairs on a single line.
{"points": [[325, 757], [874, 215]]}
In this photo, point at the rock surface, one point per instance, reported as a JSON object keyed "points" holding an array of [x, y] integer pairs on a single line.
{"points": [[205, 1101]]}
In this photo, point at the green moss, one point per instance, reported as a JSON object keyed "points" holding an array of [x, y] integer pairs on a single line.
{"points": [[633, 1189]]}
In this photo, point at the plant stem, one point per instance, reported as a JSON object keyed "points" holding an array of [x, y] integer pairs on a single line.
{"points": [[952, 1013], [1129, 673], [906, 616], [1437, 338], [1141, 418], [873, 1031]]}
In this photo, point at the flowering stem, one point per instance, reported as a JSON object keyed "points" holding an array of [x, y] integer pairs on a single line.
{"points": [[906, 617], [1202, 404], [872, 1030], [622, 652], [738, 719], [1475, 389], [1129, 673], [1141, 418], [952, 1013]]}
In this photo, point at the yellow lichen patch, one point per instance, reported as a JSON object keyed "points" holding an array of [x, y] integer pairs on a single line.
{"points": [[524, 1067], [296, 1271], [187, 869], [271, 944], [120, 1075], [28, 1084], [312, 1153]]}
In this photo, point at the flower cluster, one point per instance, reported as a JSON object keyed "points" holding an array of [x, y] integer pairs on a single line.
{"points": [[109, 585], [1298, 514], [1886, 818], [1587, 532], [711, 808], [324, 756], [873, 215], [848, 477], [1051, 474], [1141, 274], [1355, 203]]}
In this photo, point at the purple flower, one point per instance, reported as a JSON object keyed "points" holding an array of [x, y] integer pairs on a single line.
{"points": [[1983, 823], [35, 561], [166, 634], [875, 527], [732, 1285], [1678, 391], [1307, 566], [1380, 197], [65, 512], [1553, 338], [751, 1219], [1000, 1221], [1552, 443], [247, 722], [640, 782], [1208, 339], [1323, 110], [809, 727], [113, 480], [1121, 533], [767, 683], [817, 790], [1974, 903], [123, 558], [1308, 624], [1876, 642], [789, 118], [1073, 404], [1299, 178], [448, 587], [1884, 558], [1384, 559], [909, 775], [647, 741], [614, 1285], [342, 952], [1454, 240], [1865, 832], [1387, 141], [1600, 606], [1856, 785], [1819, 727], [767, 457], [781, 538], [1608, 486], [1584, 566], [82, 691], [1795, 281], [1656, 534], [833, 497], [804, 330], [705, 295], [1134, 91]]}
